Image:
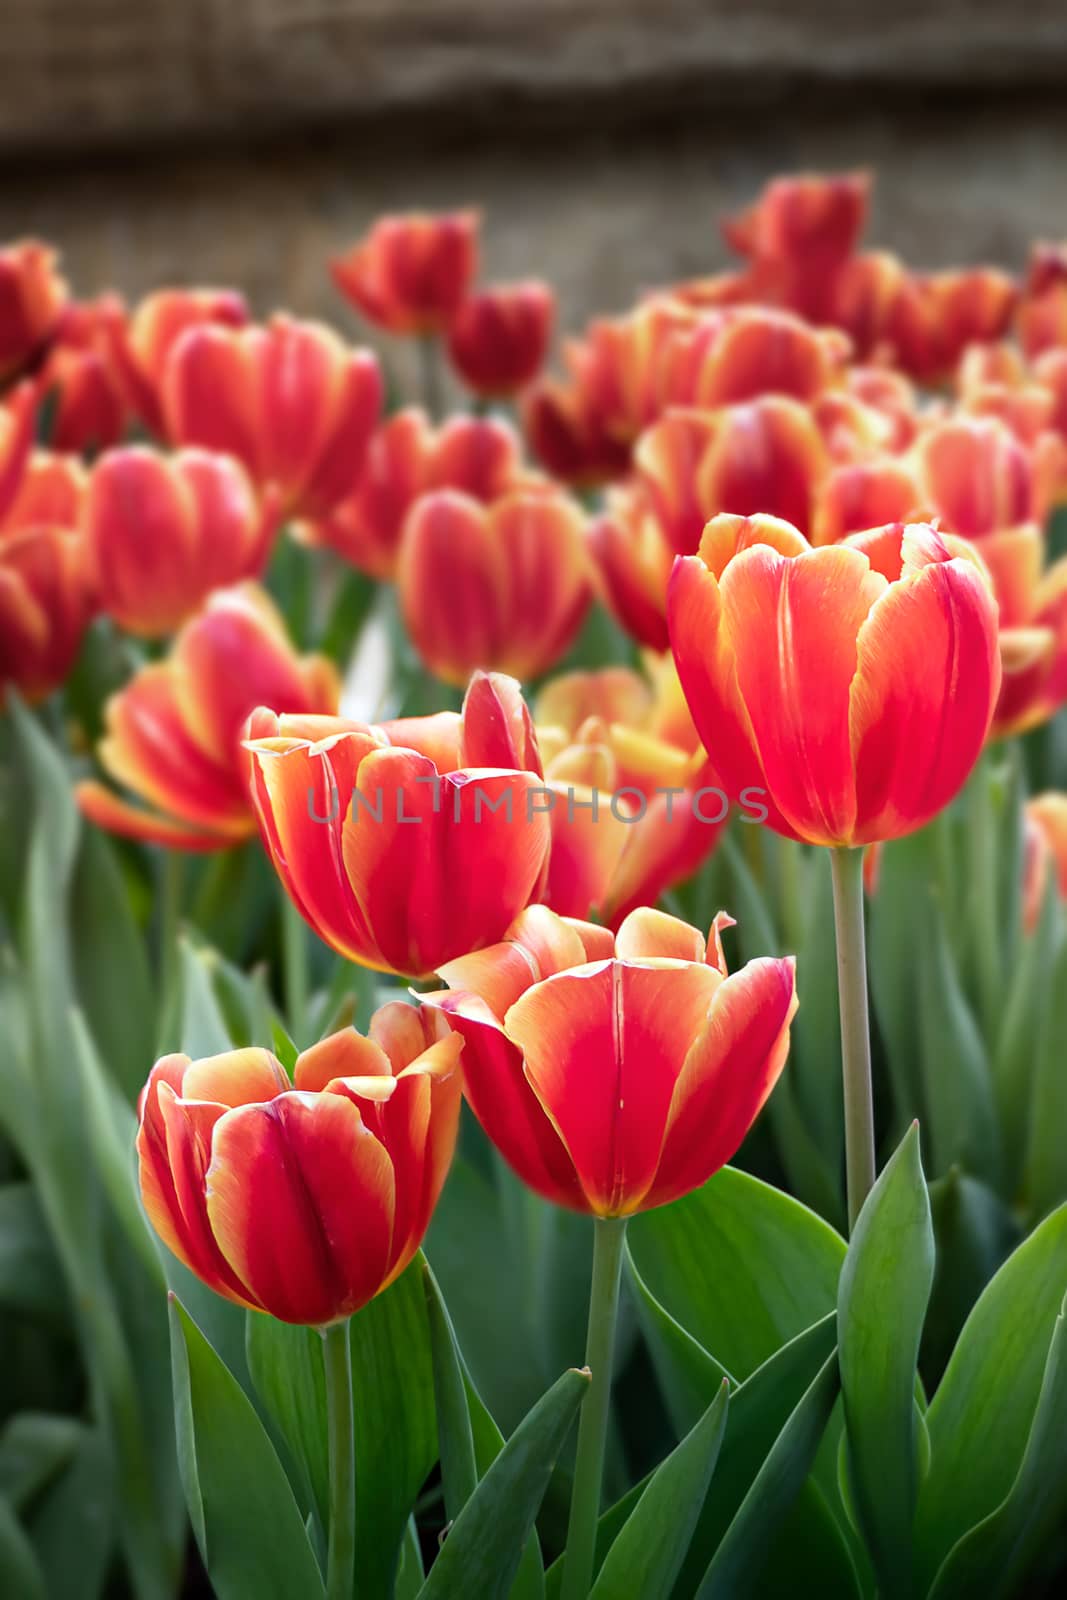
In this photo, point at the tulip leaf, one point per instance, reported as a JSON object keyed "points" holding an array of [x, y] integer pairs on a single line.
{"points": [[742, 1267], [35, 1446], [647, 1555], [246, 1521], [481, 1554], [31, 1282], [974, 1233], [203, 1026], [1017, 1058], [885, 1288], [286, 1369], [686, 1373], [905, 872], [993, 1558], [981, 1415], [20, 1571], [72, 1522], [1046, 1156], [113, 980], [737, 1566]]}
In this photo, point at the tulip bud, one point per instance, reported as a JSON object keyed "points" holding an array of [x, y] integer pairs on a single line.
{"points": [[45, 605], [32, 297], [410, 274], [499, 337]]}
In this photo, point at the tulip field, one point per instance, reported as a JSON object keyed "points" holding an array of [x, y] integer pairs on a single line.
{"points": [[533, 951]]}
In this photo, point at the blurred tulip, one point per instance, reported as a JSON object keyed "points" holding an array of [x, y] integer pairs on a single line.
{"points": [[861, 298], [153, 329], [18, 418], [633, 559], [975, 475], [1033, 627], [498, 339], [736, 355], [289, 400], [937, 315], [799, 234], [569, 438], [338, 806], [164, 531], [51, 492], [616, 1073], [411, 273], [303, 1199], [765, 456], [864, 494], [852, 687], [32, 297], [893, 395], [406, 458], [1041, 318], [173, 733], [82, 379], [1045, 850], [502, 587], [633, 812], [45, 605]]}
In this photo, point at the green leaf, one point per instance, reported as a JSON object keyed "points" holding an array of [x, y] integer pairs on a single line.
{"points": [[687, 1374], [736, 1568], [246, 1521], [1045, 1181], [1033, 990], [31, 1281], [481, 1554], [285, 1365], [20, 1572], [111, 973], [742, 1267], [885, 1287], [647, 1555], [906, 870], [72, 1524], [980, 1417], [974, 1232], [203, 1026], [34, 1447], [459, 1469]]}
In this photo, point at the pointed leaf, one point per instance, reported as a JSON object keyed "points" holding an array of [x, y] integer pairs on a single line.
{"points": [[957, 1082]]}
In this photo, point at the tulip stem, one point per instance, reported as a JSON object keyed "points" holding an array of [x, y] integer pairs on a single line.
{"points": [[341, 1551], [295, 957], [847, 869], [430, 364], [608, 1236], [172, 887]]}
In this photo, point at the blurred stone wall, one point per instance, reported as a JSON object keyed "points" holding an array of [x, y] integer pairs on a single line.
{"points": [[242, 141]]}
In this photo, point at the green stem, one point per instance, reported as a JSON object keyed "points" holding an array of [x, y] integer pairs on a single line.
{"points": [[432, 376], [171, 894], [847, 868], [608, 1236], [295, 958], [982, 870], [341, 1551]]}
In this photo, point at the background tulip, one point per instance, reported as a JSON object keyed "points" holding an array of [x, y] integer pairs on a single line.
{"points": [[397, 862], [854, 683], [411, 273], [303, 1200], [502, 587], [32, 297], [82, 379], [173, 734], [498, 339], [45, 605], [155, 326], [50, 492], [164, 531]]}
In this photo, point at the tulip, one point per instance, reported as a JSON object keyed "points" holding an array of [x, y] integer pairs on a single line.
{"points": [[893, 395], [406, 845], [289, 400], [303, 1199], [83, 379], [799, 235], [51, 491], [154, 328], [45, 606], [634, 810], [633, 559], [32, 297], [502, 587], [1041, 318], [937, 315], [976, 476], [1045, 851], [406, 459], [765, 456], [569, 438], [17, 422], [498, 338], [173, 733], [165, 531], [410, 274], [864, 494], [736, 355], [1033, 627], [854, 683], [862, 297]]}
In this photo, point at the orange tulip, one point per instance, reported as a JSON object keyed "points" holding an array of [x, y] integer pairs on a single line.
{"points": [[634, 812], [499, 337], [1045, 849], [51, 491], [303, 1199], [633, 559], [1033, 627], [975, 475], [405, 459], [173, 734], [852, 686], [937, 315], [893, 395], [731, 356], [864, 494], [289, 400], [407, 845], [411, 274], [502, 587], [32, 297], [154, 328], [1041, 319], [765, 456], [83, 378], [45, 605], [616, 1073], [164, 531]]}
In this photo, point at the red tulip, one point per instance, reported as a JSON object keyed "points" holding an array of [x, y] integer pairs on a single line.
{"points": [[499, 337], [173, 734], [411, 274], [406, 459], [164, 531], [937, 315], [32, 297], [851, 687], [289, 400], [976, 476], [155, 327], [1041, 318], [51, 492], [799, 234], [45, 605], [82, 378], [502, 587], [1045, 850], [304, 1200], [731, 356], [18, 417], [633, 558], [864, 494], [1033, 627], [398, 862], [569, 438], [616, 1073]]}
